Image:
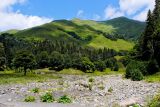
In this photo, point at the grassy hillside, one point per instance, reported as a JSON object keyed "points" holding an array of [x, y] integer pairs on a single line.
{"points": [[75, 30], [13, 31], [131, 29], [98, 26]]}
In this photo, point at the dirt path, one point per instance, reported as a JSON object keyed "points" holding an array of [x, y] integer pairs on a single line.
{"points": [[104, 91]]}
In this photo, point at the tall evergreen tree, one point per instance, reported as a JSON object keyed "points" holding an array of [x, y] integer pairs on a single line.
{"points": [[146, 39]]}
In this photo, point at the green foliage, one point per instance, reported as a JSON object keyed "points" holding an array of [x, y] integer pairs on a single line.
{"points": [[24, 59], [10, 77], [64, 99], [116, 67], [56, 61], [110, 89], [152, 67], [91, 80], [47, 97], [155, 102], [135, 70], [135, 105], [43, 59], [136, 75], [30, 99], [87, 34], [2, 63], [35, 90], [100, 65], [134, 28], [141, 66], [149, 43], [85, 64]]}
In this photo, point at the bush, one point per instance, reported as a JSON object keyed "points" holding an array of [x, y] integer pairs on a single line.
{"points": [[84, 64], [136, 75], [35, 90], [91, 80], [64, 99], [110, 62], [110, 89], [100, 65], [135, 70], [116, 67], [47, 98], [29, 99], [141, 66], [152, 67]]}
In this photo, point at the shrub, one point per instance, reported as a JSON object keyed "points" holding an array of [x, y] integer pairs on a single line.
{"points": [[84, 64], [100, 65], [29, 99], [135, 68], [136, 75], [47, 98], [116, 67], [152, 67], [110, 62], [35, 90], [91, 80], [64, 99], [110, 89]]}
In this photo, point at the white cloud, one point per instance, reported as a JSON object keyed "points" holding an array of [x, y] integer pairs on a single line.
{"points": [[80, 14], [141, 16], [16, 20], [136, 8], [112, 12]]}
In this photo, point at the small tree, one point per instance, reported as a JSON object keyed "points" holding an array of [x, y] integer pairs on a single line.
{"points": [[84, 64], [56, 61], [43, 59], [100, 65], [24, 59]]}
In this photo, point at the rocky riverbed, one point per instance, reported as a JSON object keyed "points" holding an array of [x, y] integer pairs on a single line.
{"points": [[85, 91]]}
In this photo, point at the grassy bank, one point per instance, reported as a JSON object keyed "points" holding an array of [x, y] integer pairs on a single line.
{"points": [[10, 77], [153, 78]]}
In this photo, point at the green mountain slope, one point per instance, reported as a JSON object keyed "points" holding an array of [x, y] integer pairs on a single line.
{"points": [[131, 29], [12, 31], [85, 34], [101, 27]]}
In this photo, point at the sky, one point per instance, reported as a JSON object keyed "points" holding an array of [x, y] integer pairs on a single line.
{"points": [[22, 14]]}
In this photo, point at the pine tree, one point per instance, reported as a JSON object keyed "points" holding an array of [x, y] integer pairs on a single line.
{"points": [[156, 11], [145, 41]]}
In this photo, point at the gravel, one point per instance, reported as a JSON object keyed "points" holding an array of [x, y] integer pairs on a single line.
{"points": [[82, 92]]}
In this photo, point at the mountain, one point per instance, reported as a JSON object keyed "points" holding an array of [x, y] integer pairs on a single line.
{"points": [[12, 31], [109, 29], [87, 33], [131, 29]]}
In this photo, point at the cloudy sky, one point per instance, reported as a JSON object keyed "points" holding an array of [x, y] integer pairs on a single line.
{"points": [[22, 14]]}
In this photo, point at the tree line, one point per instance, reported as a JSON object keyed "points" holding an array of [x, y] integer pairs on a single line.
{"points": [[23, 54]]}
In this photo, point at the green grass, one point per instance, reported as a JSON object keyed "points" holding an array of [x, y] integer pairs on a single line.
{"points": [[101, 42], [10, 77], [96, 73], [102, 27], [153, 78]]}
